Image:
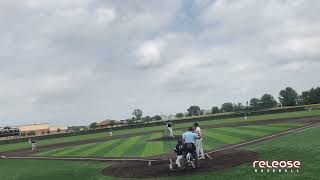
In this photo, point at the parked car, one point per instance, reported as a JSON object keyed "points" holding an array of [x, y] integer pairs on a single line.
{"points": [[8, 131]]}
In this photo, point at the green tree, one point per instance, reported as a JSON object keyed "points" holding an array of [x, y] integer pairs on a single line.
{"points": [[268, 101], [93, 125], [156, 118], [288, 96], [227, 107], [147, 119], [214, 110], [255, 103], [238, 107], [311, 96], [306, 96], [137, 113], [194, 110], [131, 120], [179, 115]]}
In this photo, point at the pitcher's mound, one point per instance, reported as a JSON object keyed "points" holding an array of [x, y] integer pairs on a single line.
{"points": [[220, 161]]}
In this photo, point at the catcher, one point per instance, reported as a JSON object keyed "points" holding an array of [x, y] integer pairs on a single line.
{"points": [[179, 151]]}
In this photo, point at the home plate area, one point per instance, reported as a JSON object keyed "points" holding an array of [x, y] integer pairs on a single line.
{"points": [[139, 169]]}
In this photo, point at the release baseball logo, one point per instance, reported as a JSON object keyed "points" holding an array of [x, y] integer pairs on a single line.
{"points": [[276, 166]]}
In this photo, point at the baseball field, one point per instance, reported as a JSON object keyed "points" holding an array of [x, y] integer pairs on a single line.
{"points": [[231, 145]]}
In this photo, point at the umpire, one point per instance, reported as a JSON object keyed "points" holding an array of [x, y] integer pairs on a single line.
{"points": [[189, 139]]}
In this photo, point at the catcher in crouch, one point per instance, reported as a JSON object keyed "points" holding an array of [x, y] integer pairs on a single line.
{"points": [[179, 150]]}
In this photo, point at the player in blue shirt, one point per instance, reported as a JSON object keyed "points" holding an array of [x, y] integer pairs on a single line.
{"points": [[189, 139]]}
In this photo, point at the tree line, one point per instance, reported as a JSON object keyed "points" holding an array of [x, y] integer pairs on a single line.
{"points": [[287, 97]]}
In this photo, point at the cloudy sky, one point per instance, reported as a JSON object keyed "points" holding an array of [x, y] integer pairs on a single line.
{"points": [[72, 62]]}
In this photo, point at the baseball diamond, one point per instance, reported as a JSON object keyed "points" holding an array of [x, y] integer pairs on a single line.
{"points": [[149, 154], [159, 90]]}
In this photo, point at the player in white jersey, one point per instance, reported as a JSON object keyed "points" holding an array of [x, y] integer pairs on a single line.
{"points": [[33, 144], [169, 126], [199, 147]]}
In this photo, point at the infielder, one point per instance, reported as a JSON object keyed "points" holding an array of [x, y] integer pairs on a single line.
{"points": [[199, 147], [169, 126], [33, 144]]}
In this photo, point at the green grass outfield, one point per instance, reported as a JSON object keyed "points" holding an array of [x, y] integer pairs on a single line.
{"points": [[15, 146], [138, 146], [303, 146]]}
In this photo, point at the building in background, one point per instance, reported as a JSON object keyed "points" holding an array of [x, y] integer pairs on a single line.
{"points": [[299, 100], [108, 122], [41, 129], [38, 129], [58, 129], [105, 123]]}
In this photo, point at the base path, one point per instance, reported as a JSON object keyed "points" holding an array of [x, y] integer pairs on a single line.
{"points": [[158, 166], [28, 152]]}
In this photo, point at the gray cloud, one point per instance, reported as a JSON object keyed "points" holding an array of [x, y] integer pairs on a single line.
{"points": [[75, 62]]}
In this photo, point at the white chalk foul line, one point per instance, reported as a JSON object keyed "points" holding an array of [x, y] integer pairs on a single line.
{"points": [[266, 137], [76, 158], [208, 156], [316, 125]]}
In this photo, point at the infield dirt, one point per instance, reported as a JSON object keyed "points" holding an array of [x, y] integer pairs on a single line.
{"points": [[28, 152], [219, 161]]}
